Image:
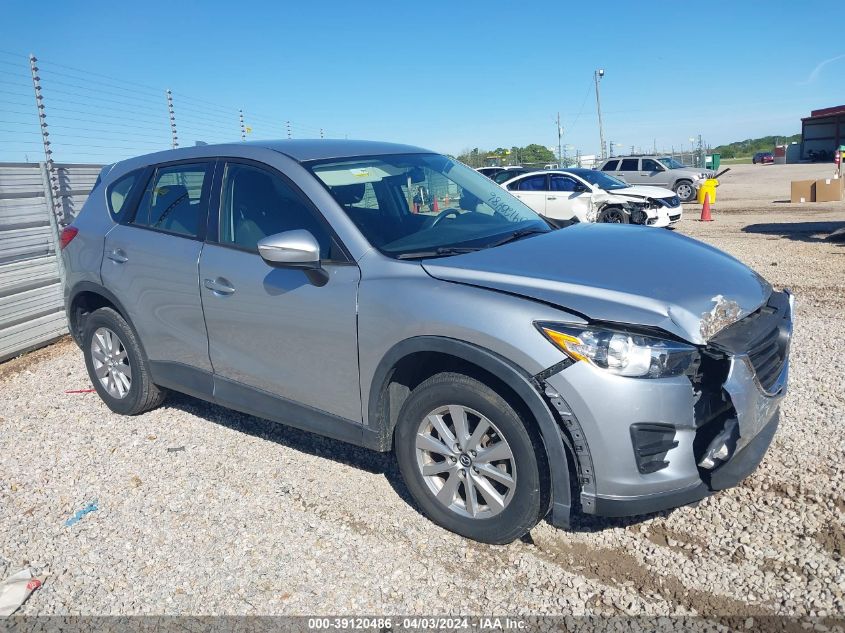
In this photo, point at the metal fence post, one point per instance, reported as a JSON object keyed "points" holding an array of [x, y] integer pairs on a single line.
{"points": [[174, 138], [49, 204], [53, 178], [243, 127]]}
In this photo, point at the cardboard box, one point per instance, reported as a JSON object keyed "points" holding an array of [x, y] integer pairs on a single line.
{"points": [[829, 190], [803, 191]]}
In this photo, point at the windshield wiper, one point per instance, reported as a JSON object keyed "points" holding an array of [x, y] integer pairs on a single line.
{"points": [[515, 236], [443, 251]]}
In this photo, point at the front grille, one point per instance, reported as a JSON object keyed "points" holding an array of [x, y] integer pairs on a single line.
{"points": [[763, 336], [768, 357]]}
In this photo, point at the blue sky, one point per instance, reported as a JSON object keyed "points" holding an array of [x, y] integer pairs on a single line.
{"points": [[445, 75]]}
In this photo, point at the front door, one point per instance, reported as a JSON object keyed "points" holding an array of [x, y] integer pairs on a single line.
{"points": [[654, 173], [150, 265], [273, 329], [568, 198]]}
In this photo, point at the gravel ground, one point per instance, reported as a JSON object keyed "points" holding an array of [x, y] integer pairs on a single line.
{"points": [[206, 511]]}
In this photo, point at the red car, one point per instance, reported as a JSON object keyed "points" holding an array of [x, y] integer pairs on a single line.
{"points": [[763, 158]]}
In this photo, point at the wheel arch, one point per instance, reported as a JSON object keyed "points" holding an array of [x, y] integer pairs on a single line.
{"points": [[412, 360], [83, 299]]}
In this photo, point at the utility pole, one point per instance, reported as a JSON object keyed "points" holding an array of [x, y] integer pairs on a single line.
{"points": [[597, 75], [559, 144]]}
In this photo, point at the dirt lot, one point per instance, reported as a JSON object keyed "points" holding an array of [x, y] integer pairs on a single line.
{"points": [[202, 510], [765, 187]]}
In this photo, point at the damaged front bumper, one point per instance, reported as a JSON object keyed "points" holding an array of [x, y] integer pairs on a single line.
{"points": [[647, 445]]}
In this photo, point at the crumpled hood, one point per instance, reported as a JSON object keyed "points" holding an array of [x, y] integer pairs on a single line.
{"points": [[643, 191], [622, 274]]}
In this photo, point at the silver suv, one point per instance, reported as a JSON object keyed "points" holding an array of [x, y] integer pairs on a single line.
{"points": [[516, 371], [659, 171]]}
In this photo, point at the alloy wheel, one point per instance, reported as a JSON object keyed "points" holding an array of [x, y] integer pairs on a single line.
{"points": [[466, 462], [111, 363], [684, 192]]}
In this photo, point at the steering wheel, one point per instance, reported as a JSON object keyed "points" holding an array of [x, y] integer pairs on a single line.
{"points": [[445, 213]]}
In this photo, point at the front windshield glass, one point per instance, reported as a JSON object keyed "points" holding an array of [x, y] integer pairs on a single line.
{"points": [[602, 180], [425, 204], [671, 163]]}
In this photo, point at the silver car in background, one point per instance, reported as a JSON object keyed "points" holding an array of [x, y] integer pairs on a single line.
{"points": [[658, 171], [393, 298]]}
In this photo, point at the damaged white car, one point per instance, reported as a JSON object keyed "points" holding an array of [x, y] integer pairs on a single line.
{"points": [[587, 195]]}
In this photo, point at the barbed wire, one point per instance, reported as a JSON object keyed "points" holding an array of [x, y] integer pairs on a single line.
{"points": [[92, 114]]}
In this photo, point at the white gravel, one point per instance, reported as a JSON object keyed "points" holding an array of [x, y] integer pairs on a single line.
{"points": [[255, 518]]}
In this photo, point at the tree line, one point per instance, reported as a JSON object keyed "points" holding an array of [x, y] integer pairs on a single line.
{"points": [[533, 153]]}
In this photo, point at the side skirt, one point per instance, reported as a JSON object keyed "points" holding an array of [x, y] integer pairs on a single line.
{"points": [[252, 401]]}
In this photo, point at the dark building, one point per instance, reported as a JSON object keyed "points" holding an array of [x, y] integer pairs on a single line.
{"points": [[822, 133]]}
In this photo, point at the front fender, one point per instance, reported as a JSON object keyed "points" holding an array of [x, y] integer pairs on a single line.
{"points": [[517, 379]]}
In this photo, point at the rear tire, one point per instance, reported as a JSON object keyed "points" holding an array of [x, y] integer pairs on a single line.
{"points": [[470, 462], [116, 364]]}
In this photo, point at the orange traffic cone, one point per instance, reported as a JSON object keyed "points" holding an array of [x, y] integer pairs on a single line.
{"points": [[705, 209], [434, 206]]}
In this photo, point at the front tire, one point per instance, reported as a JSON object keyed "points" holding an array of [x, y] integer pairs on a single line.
{"points": [[685, 191], [116, 364], [613, 215], [470, 462]]}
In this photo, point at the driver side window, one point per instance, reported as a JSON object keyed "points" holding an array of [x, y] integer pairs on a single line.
{"points": [[651, 165], [257, 203], [532, 183]]}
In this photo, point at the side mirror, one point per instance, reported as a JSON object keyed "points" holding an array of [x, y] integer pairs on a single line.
{"points": [[291, 249]]}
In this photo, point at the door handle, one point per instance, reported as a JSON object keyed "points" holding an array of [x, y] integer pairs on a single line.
{"points": [[219, 286], [118, 256], [551, 198]]}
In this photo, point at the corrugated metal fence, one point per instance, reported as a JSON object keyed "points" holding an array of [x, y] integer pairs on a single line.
{"points": [[31, 307]]}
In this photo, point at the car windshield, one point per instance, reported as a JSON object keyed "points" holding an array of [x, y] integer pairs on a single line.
{"points": [[671, 163], [421, 205], [601, 179]]}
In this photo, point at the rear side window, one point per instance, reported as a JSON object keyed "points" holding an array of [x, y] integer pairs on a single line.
{"points": [[610, 165], [532, 183], [119, 192], [176, 199], [629, 164]]}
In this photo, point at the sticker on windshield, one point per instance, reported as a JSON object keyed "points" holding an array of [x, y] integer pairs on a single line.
{"points": [[360, 173], [503, 208]]}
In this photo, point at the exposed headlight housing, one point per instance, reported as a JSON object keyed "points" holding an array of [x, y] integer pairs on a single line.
{"points": [[622, 353]]}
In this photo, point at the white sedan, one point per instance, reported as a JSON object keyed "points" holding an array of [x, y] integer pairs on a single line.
{"points": [[587, 195]]}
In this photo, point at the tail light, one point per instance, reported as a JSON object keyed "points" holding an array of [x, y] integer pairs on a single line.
{"points": [[66, 236]]}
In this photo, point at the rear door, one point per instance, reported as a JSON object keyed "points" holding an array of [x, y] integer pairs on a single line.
{"points": [[532, 190], [275, 329], [629, 170], [150, 264]]}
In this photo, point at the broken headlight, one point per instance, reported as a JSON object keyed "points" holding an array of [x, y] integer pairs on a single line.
{"points": [[622, 353]]}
